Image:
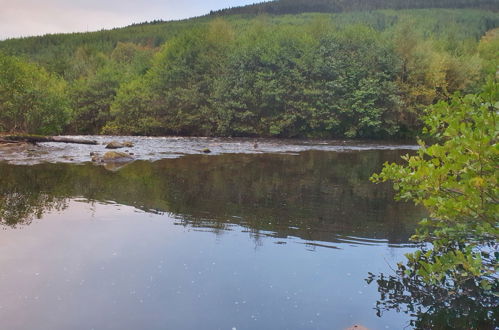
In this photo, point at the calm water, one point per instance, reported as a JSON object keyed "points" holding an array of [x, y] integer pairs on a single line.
{"points": [[229, 241]]}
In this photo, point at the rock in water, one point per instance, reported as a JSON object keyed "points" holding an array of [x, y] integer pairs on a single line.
{"points": [[114, 145], [206, 150], [116, 157], [117, 145]]}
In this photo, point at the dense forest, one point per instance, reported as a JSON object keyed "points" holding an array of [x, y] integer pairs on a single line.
{"points": [[280, 7], [318, 69]]}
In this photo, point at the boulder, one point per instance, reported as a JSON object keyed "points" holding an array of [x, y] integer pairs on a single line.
{"points": [[117, 145], [114, 145]]}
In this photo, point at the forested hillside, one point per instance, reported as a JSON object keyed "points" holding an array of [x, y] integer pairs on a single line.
{"points": [[349, 74], [280, 7]]}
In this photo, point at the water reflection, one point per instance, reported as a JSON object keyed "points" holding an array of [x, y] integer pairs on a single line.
{"points": [[129, 250], [317, 196], [435, 307]]}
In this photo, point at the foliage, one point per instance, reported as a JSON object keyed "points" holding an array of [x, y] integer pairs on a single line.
{"points": [[489, 50], [133, 112], [354, 74], [300, 6], [283, 80], [435, 307], [184, 75], [93, 94], [456, 180], [31, 99], [92, 100]]}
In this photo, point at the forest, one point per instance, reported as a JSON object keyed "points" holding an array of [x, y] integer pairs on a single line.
{"points": [[401, 70], [337, 6], [316, 69]]}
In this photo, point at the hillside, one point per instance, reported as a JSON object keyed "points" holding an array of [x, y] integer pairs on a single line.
{"points": [[156, 33], [345, 72], [280, 7], [55, 51]]}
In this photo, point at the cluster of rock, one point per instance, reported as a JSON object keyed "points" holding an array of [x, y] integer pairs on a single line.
{"points": [[114, 156]]}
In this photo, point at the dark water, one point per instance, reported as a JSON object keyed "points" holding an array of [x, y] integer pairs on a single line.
{"points": [[230, 241]]}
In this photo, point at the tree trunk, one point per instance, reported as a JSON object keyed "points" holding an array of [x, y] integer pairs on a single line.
{"points": [[36, 138]]}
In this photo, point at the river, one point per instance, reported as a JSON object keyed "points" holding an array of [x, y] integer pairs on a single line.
{"points": [[258, 234]]}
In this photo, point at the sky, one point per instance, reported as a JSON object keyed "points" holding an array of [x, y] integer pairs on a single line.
{"points": [[20, 18]]}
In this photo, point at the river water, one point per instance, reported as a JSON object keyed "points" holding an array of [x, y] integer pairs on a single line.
{"points": [[277, 235]]}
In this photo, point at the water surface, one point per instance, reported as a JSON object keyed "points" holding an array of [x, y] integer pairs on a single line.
{"points": [[280, 240]]}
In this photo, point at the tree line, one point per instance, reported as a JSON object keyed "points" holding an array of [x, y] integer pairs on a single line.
{"points": [[279, 7], [359, 74]]}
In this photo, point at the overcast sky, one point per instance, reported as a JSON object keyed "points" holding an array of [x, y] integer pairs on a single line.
{"points": [[36, 17]]}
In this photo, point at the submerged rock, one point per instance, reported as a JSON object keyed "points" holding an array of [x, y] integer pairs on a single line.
{"points": [[117, 157], [114, 167]]}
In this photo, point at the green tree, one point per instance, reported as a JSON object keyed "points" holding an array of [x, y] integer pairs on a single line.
{"points": [[262, 90], [489, 51], [92, 98], [31, 99], [352, 73], [455, 179], [133, 110], [183, 77]]}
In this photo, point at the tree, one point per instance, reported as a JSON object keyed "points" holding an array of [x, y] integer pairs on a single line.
{"points": [[455, 179], [134, 110], [488, 49], [31, 99], [92, 98], [261, 92], [183, 77]]}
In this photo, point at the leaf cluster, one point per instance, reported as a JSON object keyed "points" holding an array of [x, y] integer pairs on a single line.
{"points": [[455, 178]]}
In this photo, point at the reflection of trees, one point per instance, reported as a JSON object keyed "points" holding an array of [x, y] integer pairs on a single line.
{"points": [[21, 207], [315, 196], [25, 194], [436, 307]]}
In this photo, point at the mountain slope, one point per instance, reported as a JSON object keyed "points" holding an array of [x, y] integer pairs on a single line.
{"points": [[336, 6], [353, 73]]}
